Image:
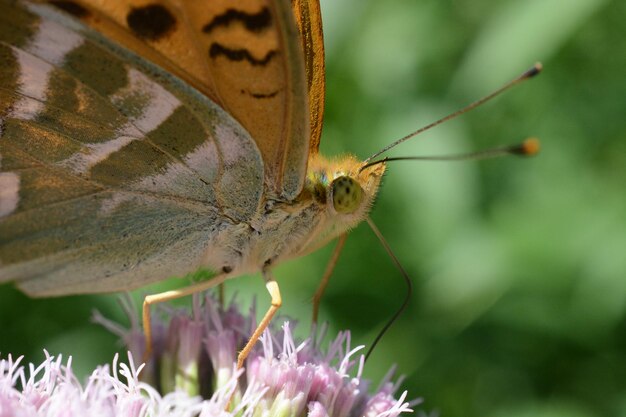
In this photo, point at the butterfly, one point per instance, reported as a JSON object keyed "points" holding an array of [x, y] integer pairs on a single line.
{"points": [[140, 141]]}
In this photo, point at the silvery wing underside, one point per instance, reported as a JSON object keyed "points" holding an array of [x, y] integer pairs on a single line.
{"points": [[113, 173]]}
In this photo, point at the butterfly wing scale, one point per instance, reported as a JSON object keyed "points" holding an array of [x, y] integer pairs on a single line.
{"points": [[112, 172]]}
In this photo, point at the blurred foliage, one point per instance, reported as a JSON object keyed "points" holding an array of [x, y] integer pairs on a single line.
{"points": [[518, 265]]}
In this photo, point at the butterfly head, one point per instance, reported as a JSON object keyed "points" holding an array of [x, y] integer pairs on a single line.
{"points": [[343, 188]]}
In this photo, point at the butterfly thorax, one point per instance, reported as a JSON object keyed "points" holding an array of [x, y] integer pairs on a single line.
{"points": [[335, 198]]}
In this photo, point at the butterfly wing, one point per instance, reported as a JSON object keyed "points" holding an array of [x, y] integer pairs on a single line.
{"points": [[245, 55], [309, 19], [112, 172]]}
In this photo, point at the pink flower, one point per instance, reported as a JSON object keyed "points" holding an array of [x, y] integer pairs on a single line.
{"points": [[192, 373]]}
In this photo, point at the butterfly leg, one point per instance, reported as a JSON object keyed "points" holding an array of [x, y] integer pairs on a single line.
{"points": [[171, 295], [330, 267], [272, 288], [220, 294]]}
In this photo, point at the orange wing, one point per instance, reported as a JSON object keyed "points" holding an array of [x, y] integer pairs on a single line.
{"points": [[309, 19], [246, 56]]}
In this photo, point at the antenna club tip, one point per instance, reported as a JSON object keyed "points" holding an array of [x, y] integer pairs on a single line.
{"points": [[530, 147], [536, 69]]}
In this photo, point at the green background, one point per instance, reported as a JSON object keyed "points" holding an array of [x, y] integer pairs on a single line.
{"points": [[518, 265]]}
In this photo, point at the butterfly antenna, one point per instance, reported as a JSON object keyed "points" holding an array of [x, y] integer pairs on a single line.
{"points": [[407, 280], [534, 70], [528, 147]]}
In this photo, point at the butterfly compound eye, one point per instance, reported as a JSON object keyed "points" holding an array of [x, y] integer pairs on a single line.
{"points": [[346, 194]]}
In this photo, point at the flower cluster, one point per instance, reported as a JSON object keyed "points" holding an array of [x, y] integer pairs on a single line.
{"points": [[192, 373]]}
